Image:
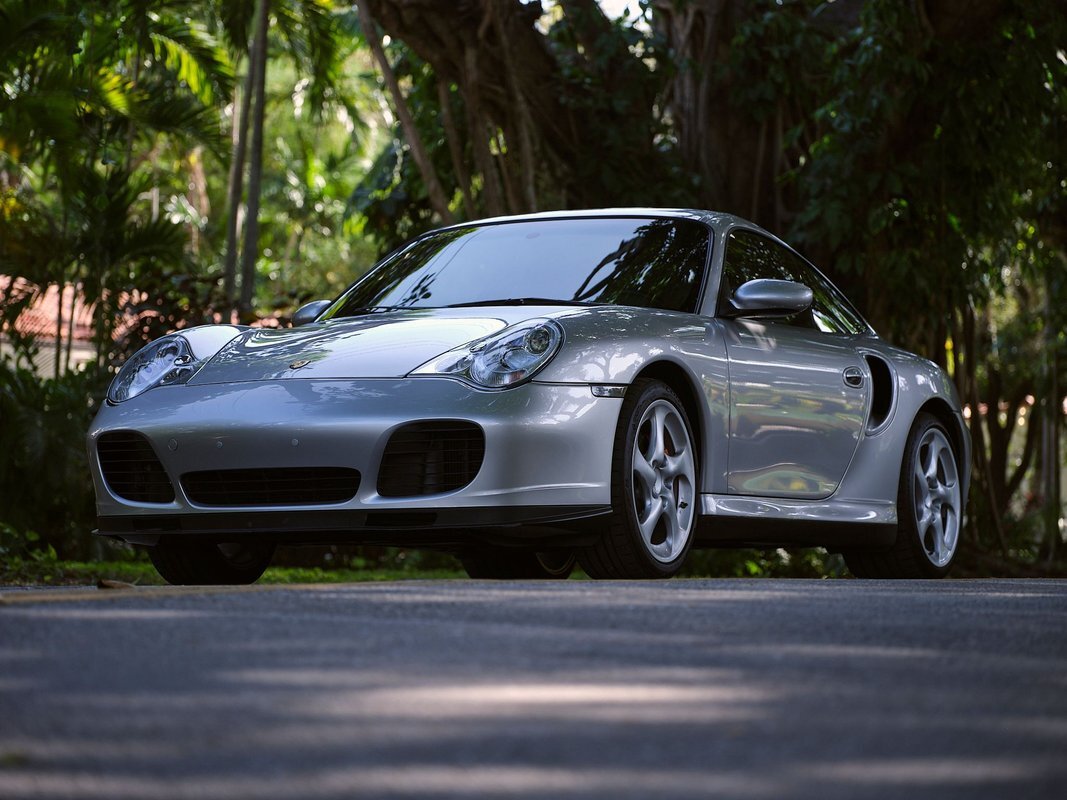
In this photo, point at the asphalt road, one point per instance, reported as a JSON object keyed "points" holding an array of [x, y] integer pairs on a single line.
{"points": [[749, 689]]}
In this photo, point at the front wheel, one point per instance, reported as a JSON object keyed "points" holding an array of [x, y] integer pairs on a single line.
{"points": [[653, 489], [499, 563], [929, 510], [209, 564]]}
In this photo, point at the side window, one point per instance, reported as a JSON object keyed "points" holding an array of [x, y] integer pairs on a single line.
{"points": [[750, 256], [831, 311]]}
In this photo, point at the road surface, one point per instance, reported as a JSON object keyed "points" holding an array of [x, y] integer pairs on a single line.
{"points": [[748, 689]]}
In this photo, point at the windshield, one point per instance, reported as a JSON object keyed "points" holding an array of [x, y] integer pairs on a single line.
{"points": [[653, 263]]}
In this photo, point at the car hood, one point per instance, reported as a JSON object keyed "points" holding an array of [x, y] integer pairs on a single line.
{"points": [[379, 345]]}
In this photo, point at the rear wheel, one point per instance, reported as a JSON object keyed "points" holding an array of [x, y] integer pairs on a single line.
{"points": [[207, 564], [929, 510], [501, 563], [653, 490]]}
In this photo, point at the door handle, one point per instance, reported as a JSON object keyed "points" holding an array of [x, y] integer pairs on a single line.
{"points": [[853, 377]]}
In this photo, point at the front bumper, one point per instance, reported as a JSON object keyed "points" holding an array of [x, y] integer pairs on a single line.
{"points": [[547, 453]]}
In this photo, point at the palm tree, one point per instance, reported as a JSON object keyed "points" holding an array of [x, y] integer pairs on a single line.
{"points": [[83, 82], [305, 31]]}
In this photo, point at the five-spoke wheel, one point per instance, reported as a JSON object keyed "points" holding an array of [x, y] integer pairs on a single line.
{"points": [[936, 493], [929, 510], [654, 489]]}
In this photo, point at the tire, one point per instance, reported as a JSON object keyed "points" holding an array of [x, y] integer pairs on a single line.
{"points": [[209, 564], [929, 510], [654, 463], [501, 563]]}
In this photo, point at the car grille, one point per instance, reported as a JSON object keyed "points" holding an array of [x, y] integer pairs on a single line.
{"points": [[430, 458], [131, 469], [276, 486]]}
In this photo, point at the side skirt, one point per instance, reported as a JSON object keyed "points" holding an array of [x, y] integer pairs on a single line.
{"points": [[734, 521]]}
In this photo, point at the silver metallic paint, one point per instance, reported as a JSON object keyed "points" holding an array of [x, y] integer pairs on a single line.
{"points": [[549, 441], [347, 423], [794, 422]]}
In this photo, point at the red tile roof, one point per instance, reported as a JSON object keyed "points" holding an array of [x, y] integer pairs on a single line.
{"points": [[38, 319]]}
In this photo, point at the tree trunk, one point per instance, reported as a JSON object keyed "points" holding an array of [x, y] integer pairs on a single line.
{"points": [[59, 326], [70, 325], [255, 170], [521, 122], [455, 148], [578, 129], [236, 185], [479, 135], [438, 200], [1053, 411]]}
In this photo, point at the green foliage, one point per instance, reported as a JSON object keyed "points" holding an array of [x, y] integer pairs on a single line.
{"points": [[44, 490], [42, 567], [909, 162], [763, 564], [926, 156], [23, 558]]}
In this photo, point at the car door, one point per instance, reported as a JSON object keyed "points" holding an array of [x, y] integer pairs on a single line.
{"points": [[798, 386]]}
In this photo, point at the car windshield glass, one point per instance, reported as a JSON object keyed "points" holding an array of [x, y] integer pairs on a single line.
{"points": [[654, 263]]}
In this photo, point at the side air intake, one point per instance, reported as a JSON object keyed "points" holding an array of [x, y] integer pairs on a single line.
{"points": [[131, 469], [882, 392], [431, 458]]}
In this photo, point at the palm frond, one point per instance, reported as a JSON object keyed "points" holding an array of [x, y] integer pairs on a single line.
{"points": [[194, 55]]}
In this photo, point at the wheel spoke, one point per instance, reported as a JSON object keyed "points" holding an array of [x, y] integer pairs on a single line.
{"points": [[952, 528], [939, 538], [932, 452], [920, 473], [648, 524], [923, 494], [925, 521], [670, 517], [944, 494], [658, 443], [675, 466], [645, 473]]}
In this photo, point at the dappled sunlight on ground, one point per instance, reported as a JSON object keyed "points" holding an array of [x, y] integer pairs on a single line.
{"points": [[760, 689]]}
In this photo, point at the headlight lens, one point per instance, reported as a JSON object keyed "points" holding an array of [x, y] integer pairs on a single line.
{"points": [[507, 358], [167, 361]]}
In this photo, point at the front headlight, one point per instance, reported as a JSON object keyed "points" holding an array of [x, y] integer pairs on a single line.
{"points": [[507, 358], [165, 362]]}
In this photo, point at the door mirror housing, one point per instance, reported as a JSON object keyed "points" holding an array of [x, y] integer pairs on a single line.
{"points": [[769, 297], [309, 312]]}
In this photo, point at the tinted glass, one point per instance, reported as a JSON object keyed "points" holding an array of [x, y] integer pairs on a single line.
{"points": [[654, 263], [750, 256]]}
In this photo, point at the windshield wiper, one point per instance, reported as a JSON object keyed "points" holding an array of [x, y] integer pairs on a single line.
{"points": [[523, 301], [355, 312]]}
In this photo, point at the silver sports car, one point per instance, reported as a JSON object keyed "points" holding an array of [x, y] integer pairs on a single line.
{"points": [[608, 387]]}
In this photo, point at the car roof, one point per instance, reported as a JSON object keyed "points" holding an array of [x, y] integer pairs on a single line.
{"points": [[716, 219]]}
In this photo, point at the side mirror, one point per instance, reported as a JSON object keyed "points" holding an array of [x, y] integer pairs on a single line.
{"points": [[768, 297], [309, 312]]}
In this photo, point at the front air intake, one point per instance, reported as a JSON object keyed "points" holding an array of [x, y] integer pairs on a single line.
{"points": [[431, 458], [274, 486], [131, 469]]}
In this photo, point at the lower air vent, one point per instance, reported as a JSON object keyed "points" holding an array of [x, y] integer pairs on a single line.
{"points": [[131, 469], [430, 458], [881, 392], [281, 486]]}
